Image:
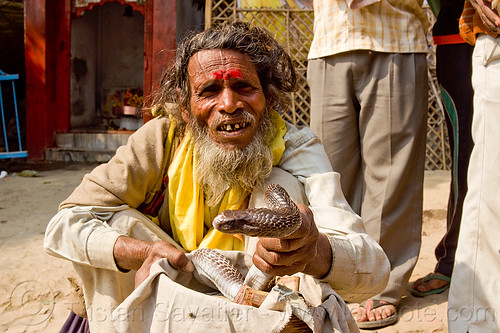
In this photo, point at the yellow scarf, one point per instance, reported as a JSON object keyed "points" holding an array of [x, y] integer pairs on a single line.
{"points": [[189, 215]]}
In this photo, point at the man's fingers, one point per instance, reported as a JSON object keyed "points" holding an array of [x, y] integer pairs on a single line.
{"points": [[289, 255], [143, 272], [178, 260], [280, 245], [284, 258], [183, 264], [488, 15], [278, 270]]}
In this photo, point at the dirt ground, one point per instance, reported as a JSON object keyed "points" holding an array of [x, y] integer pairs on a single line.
{"points": [[34, 290]]}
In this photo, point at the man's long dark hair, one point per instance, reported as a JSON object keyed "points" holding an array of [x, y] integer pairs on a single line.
{"points": [[274, 66]]}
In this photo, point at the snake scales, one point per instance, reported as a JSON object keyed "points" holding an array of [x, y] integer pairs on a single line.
{"points": [[280, 219]]}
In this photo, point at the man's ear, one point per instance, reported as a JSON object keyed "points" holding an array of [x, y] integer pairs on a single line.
{"points": [[185, 115]]}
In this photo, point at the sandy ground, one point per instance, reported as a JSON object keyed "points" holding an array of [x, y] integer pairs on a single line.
{"points": [[35, 292]]}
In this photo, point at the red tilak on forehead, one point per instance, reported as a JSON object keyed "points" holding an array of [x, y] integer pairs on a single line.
{"points": [[226, 75]]}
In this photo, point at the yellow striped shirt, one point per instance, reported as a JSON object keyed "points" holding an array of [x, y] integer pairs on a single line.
{"points": [[395, 26]]}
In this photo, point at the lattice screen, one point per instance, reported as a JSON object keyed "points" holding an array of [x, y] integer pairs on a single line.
{"points": [[296, 37]]}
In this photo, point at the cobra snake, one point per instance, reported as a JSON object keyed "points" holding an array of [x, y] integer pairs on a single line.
{"points": [[280, 219]]}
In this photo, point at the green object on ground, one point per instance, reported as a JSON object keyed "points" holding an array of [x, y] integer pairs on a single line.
{"points": [[27, 173]]}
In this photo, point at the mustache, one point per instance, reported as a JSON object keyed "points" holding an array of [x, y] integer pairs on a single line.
{"points": [[237, 117]]}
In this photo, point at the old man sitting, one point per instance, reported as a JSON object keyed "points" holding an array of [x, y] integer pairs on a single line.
{"points": [[217, 141]]}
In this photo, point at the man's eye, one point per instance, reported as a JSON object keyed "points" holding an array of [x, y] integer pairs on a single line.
{"points": [[243, 86], [208, 91]]}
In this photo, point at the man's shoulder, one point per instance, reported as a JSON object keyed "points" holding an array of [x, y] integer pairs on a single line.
{"points": [[298, 135], [158, 122], [158, 126]]}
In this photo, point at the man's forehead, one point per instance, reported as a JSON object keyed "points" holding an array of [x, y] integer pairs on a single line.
{"points": [[213, 61]]}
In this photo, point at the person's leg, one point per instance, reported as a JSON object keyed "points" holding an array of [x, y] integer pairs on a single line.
{"points": [[454, 69], [334, 118], [393, 136], [457, 97], [474, 290]]}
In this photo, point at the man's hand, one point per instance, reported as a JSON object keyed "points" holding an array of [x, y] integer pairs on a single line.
{"points": [[306, 250], [488, 15], [134, 254]]}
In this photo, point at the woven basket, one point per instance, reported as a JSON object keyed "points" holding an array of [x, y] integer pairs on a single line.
{"points": [[295, 325]]}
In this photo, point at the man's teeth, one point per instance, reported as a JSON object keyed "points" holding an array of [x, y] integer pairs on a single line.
{"points": [[232, 127]]}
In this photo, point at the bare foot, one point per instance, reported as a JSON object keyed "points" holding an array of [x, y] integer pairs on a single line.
{"points": [[375, 310]]}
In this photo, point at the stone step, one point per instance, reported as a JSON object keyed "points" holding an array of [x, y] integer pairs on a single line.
{"points": [[86, 147], [76, 155], [89, 141]]}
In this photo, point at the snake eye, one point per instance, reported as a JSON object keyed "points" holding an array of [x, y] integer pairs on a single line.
{"points": [[228, 224], [223, 225]]}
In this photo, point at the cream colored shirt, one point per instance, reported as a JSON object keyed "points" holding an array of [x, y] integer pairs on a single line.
{"points": [[79, 231], [394, 26]]}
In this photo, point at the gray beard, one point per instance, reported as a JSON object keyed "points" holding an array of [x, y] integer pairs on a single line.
{"points": [[218, 169]]}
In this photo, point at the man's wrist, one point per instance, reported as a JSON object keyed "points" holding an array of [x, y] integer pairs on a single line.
{"points": [[130, 253], [332, 260], [322, 265]]}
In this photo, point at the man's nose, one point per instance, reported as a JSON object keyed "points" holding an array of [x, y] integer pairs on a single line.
{"points": [[229, 101]]}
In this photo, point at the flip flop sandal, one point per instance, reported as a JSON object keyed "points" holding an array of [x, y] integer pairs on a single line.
{"points": [[429, 277], [372, 304]]}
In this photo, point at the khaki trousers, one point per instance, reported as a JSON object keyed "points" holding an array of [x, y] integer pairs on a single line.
{"points": [[370, 111]]}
